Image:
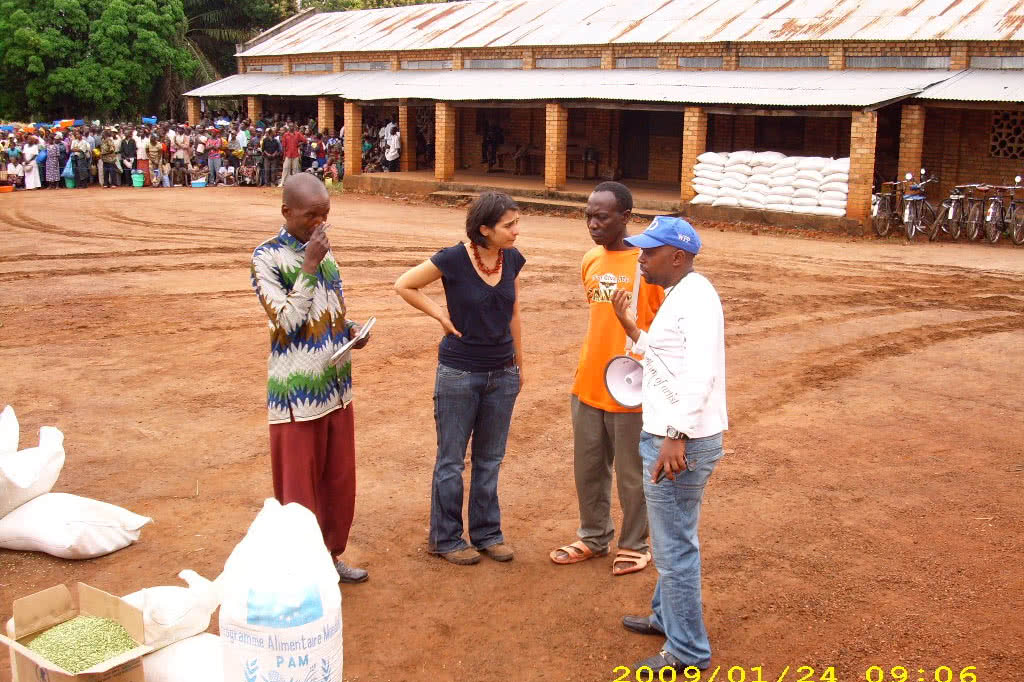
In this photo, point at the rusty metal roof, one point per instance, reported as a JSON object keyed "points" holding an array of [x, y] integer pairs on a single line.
{"points": [[794, 88], [979, 85], [521, 23]]}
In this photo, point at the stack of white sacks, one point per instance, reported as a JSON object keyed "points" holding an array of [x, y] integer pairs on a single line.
{"points": [[769, 180]]}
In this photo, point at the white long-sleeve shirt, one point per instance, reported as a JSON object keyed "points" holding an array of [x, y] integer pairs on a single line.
{"points": [[684, 362]]}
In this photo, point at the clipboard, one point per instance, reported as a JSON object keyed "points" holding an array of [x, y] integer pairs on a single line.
{"points": [[363, 333]]}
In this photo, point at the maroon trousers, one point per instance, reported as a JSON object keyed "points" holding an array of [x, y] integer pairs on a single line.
{"points": [[314, 464]]}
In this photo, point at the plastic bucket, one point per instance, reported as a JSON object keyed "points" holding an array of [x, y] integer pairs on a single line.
{"points": [[138, 179], [199, 183], [69, 183], [149, 120], [6, 188]]}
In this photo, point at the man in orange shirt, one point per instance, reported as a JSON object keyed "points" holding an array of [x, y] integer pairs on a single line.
{"points": [[606, 434]]}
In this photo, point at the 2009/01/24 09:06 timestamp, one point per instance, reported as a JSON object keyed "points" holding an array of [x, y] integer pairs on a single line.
{"points": [[875, 673]]}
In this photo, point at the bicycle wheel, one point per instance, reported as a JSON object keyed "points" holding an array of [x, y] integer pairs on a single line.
{"points": [[912, 219], [939, 224], [880, 221], [994, 222], [956, 221], [975, 220], [1017, 225]]}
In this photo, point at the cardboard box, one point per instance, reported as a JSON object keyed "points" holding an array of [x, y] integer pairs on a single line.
{"points": [[43, 610]]}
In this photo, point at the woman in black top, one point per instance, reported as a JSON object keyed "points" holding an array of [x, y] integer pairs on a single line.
{"points": [[479, 373]]}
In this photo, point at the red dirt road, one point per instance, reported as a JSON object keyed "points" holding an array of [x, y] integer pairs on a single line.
{"points": [[867, 511]]}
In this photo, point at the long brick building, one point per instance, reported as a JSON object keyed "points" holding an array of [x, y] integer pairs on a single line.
{"points": [[639, 88]]}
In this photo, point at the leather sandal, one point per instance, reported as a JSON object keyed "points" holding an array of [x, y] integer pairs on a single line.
{"points": [[574, 553], [634, 561]]}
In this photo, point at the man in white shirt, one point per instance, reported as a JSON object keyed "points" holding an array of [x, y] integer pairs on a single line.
{"points": [[392, 150], [684, 415]]}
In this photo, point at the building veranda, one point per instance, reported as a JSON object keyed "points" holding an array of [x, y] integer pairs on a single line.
{"points": [[548, 93]]}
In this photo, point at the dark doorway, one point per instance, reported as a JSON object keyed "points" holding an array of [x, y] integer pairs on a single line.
{"points": [[634, 144]]}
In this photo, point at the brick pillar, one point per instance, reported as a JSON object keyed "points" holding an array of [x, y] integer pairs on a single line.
{"points": [[668, 61], [837, 57], [730, 60], [353, 138], [336, 65], [863, 132], [253, 107], [286, 65], [193, 109], [240, 65], [695, 138], [911, 139], [529, 60], [407, 161], [556, 142], [325, 113], [457, 60], [959, 58], [396, 63], [444, 141], [607, 58]]}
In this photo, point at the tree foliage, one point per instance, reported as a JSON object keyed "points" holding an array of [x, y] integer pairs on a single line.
{"points": [[214, 27], [88, 57], [343, 5]]}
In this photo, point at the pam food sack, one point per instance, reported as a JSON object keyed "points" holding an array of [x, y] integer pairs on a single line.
{"points": [[196, 659], [27, 474], [280, 614]]}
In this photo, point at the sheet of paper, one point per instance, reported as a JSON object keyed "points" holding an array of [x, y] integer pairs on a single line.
{"points": [[363, 333]]}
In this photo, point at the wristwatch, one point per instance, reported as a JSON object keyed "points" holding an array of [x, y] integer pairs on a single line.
{"points": [[672, 434]]}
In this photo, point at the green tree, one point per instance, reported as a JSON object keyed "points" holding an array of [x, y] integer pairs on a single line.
{"points": [[89, 57], [214, 27], [343, 5]]}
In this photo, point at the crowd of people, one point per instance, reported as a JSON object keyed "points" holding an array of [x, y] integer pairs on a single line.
{"points": [[220, 150]]}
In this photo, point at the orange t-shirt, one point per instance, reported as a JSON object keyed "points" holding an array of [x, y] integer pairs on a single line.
{"points": [[604, 271]]}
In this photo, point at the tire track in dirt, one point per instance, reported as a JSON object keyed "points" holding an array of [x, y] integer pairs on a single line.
{"points": [[22, 275], [819, 369], [99, 255]]}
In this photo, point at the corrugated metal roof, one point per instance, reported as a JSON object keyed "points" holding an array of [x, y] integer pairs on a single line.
{"points": [[979, 85], [798, 88], [508, 23]]}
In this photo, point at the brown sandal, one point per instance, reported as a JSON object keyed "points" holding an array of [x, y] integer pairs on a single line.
{"points": [[636, 561], [574, 553]]}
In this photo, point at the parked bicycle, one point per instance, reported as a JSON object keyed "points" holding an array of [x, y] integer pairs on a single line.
{"points": [[974, 225], [917, 210], [887, 207], [952, 215], [1004, 213]]}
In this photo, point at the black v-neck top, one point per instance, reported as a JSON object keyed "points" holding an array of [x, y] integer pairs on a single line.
{"points": [[480, 312]]}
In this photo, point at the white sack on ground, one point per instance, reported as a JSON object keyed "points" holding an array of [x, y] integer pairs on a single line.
{"points": [[837, 177], [703, 199], [9, 433], [835, 187], [810, 175], [832, 204], [762, 178], [758, 187], [714, 158], [32, 472], [196, 659], [801, 201], [737, 177], [709, 167], [812, 163], [805, 193], [747, 203], [172, 613], [741, 168], [732, 183], [726, 201], [785, 208], [833, 196], [711, 176], [701, 188], [777, 199], [70, 527], [782, 183]]}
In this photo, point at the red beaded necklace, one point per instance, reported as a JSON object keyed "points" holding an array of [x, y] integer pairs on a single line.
{"points": [[483, 268]]}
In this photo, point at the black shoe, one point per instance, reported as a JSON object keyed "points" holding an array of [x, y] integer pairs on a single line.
{"points": [[664, 659], [640, 625], [350, 574]]}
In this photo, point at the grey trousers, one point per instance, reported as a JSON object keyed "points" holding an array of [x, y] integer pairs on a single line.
{"points": [[600, 440]]}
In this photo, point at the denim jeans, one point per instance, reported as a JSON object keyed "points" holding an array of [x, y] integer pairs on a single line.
{"points": [[478, 404], [673, 508], [214, 167]]}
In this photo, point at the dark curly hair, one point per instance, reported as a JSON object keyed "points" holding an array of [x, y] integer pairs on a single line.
{"points": [[487, 210]]}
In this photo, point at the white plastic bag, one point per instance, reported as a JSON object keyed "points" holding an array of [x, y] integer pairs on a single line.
{"points": [[726, 201], [8, 431], [702, 199], [30, 473], [172, 613], [841, 187], [739, 157], [196, 659], [709, 190], [280, 613], [70, 527]]}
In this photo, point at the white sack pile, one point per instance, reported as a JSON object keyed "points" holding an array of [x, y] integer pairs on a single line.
{"points": [[773, 181], [34, 519]]}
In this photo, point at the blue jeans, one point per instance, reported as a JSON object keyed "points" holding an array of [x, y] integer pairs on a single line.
{"points": [[465, 403], [214, 167], [673, 508]]}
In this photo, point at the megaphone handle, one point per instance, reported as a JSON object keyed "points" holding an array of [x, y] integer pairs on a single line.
{"points": [[633, 304]]}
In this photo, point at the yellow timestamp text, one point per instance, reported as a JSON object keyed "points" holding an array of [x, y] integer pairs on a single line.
{"points": [[899, 673], [736, 673]]}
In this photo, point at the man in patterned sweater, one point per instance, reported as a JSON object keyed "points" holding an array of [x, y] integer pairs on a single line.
{"points": [[312, 435]]}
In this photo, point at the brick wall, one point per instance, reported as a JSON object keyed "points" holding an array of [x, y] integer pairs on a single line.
{"points": [[911, 140], [695, 135], [353, 138], [407, 135], [825, 137], [663, 161], [192, 110], [956, 147], [325, 113]]}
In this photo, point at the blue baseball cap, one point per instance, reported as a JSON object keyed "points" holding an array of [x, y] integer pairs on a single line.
{"points": [[667, 231]]}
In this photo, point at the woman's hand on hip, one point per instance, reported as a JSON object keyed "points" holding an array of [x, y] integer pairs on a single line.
{"points": [[448, 327]]}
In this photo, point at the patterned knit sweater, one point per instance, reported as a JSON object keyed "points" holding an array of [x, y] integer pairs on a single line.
{"points": [[306, 322]]}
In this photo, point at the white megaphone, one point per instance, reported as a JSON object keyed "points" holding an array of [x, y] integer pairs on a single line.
{"points": [[624, 379]]}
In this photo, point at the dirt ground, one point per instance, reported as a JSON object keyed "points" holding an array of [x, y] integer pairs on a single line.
{"points": [[867, 513]]}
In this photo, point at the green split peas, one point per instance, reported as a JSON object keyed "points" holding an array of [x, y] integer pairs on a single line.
{"points": [[82, 642]]}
